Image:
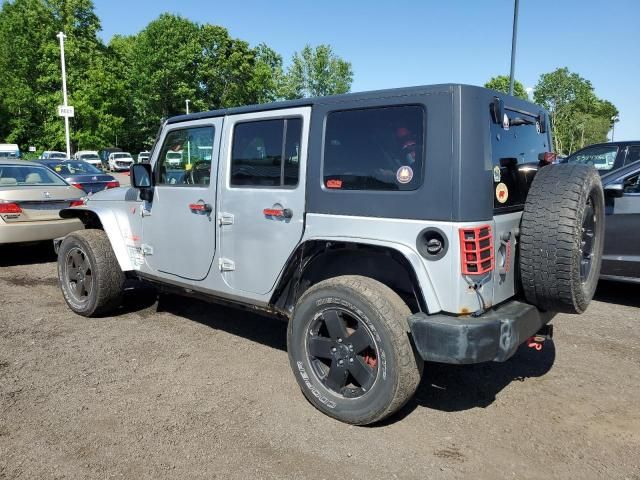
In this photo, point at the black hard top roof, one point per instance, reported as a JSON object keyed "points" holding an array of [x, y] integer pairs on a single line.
{"points": [[305, 102]]}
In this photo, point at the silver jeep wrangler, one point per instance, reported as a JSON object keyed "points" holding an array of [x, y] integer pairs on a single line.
{"points": [[389, 228]]}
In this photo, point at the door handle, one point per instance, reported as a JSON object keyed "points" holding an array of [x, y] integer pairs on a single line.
{"points": [[200, 207], [278, 212]]}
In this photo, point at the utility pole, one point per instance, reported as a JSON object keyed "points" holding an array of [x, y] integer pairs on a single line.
{"points": [[187, 102], [513, 46], [66, 115]]}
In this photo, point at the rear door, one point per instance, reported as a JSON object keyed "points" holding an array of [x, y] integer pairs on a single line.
{"points": [[621, 256], [178, 226], [261, 195]]}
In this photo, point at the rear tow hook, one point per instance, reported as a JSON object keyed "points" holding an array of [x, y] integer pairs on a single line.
{"points": [[536, 342]]}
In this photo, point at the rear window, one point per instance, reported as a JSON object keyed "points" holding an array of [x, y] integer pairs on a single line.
{"points": [[516, 148], [23, 175], [602, 158], [74, 168], [374, 149]]}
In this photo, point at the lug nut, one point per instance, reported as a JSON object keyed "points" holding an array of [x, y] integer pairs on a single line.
{"points": [[339, 340], [333, 349], [351, 360], [340, 362]]}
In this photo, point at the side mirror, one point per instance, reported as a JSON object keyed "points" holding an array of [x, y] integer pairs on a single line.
{"points": [[614, 190], [141, 178]]}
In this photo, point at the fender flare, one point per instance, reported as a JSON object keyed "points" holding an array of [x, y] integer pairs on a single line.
{"points": [[118, 232], [411, 256]]}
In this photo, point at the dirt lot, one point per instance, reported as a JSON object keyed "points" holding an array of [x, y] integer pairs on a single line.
{"points": [[182, 389]]}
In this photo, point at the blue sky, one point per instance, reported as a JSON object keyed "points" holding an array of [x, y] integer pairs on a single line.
{"points": [[401, 43]]}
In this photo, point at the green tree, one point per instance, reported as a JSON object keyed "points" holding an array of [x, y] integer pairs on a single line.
{"points": [[501, 84], [578, 116], [317, 72]]}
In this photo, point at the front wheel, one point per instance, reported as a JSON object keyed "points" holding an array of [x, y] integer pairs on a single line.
{"points": [[350, 350], [90, 278]]}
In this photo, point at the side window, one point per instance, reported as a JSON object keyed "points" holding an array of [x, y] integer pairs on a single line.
{"points": [[185, 157], [266, 153], [633, 154], [632, 184], [374, 149]]}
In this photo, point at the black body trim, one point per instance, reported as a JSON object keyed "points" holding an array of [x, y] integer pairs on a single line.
{"points": [[494, 336]]}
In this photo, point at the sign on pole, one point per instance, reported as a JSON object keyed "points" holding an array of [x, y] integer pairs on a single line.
{"points": [[65, 111]]}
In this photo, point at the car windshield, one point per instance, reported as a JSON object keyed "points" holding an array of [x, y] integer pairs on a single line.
{"points": [[119, 156], [602, 158], [6, 154], [57, 155], [89, 156], [27, 175], [74, 168]]}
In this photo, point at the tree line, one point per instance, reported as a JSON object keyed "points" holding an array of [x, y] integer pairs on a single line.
{"points": [[121, 90], [578, 117]]}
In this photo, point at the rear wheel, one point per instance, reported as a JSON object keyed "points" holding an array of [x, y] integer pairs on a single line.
{"points": [[90, 277], [562, 234], [350, 351]]}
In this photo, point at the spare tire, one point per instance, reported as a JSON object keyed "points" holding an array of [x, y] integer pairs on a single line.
{"points": [[561, 238]]}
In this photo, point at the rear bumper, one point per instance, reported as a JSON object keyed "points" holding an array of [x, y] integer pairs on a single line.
{"points": [[494, 336], [37, 231]]}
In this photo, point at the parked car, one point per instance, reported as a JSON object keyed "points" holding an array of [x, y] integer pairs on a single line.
{"points": [[89, 156], [31, 197], [174, 159], [386, 236], [143, 157], [9, 150], [104, 155], [606, 157], [82, 175], [50, 154], [621, 258], [119, 161]]}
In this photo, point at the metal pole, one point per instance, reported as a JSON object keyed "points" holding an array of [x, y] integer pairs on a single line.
{"points": [[513, 45], [613, 130], [187, 102], [62, 36]]}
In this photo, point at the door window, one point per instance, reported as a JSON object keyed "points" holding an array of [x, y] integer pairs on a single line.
{"points": [[266, 153], [185, 157], [631, 184], [374, 149], [633, 154]]}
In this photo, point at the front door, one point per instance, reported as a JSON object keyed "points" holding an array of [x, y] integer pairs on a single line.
{"points": [[178, 227], [262, 195], [621, 256]]}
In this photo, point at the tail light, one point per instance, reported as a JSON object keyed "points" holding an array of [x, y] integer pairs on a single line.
{"points": [[76, 203], [10, 208], [548, 157], [114, 184], [78, 186], [476, 250]]}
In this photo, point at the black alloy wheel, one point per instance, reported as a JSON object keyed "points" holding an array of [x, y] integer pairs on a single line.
{"points": [[342, 352], [587, 243], [78, 275]]}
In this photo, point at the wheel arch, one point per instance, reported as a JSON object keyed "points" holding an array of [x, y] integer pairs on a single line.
{"points": [[319, 259], [106, 220]]}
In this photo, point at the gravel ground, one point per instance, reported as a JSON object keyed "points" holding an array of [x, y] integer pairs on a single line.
{"points": [[182, 389]]}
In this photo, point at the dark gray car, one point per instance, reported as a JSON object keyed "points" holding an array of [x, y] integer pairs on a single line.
{"points": [[621, 257], [82, 175]]}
